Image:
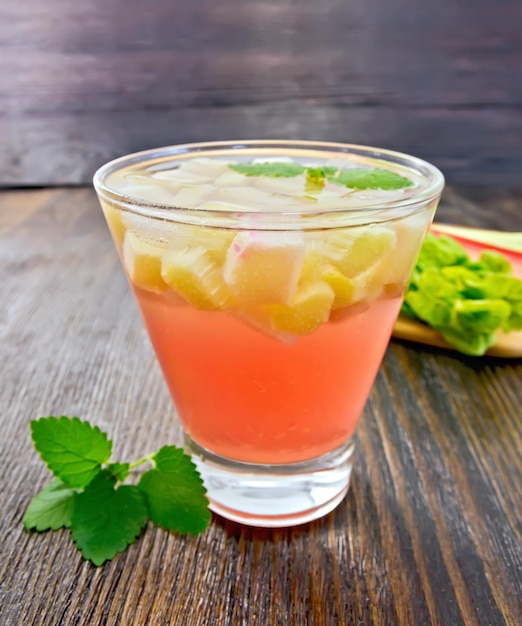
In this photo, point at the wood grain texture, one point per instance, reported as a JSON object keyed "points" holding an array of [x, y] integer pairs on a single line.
{"points": [[429, 533], [85, 82]]}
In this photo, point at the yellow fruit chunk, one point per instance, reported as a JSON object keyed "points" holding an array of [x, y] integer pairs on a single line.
{"points": [[344, 288], [315, 269], [355, 250], [312, 267], [263, 267], [114, 220], [368, 285], [309, 308], [143, 263], [195, 276], [258, 318]]}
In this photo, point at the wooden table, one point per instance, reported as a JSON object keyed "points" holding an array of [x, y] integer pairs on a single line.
{"points": [[430, 532]]}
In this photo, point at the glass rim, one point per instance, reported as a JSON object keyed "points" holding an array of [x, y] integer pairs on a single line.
{"points": [[169, 212]]}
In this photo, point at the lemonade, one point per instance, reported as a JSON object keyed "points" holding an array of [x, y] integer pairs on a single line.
{"points": [[269, 280]]}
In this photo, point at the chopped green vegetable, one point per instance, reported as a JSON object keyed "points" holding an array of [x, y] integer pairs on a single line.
{"points": [[466, 301]]}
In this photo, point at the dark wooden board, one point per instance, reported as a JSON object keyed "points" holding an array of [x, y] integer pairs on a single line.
{"points": [[85, 82], [429, 533]]}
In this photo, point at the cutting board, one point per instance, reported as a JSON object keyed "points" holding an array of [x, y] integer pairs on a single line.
{"points": [[474, 240]]}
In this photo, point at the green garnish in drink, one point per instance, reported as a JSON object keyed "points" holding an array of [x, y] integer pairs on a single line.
{"points": [[370, 178], [352, 178]]}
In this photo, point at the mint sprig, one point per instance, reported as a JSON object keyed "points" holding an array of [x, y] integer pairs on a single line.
{"points": [[88, 494], [353, 178]]}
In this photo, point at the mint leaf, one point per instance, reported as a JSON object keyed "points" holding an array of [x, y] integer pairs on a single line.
{"points": [[106, 520], [73, 450], [175, 492], [275, 169], [370, 178], [120, 471], [51, 509]]}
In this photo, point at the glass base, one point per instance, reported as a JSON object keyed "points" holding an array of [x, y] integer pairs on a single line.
{"points": [[274, 495]]}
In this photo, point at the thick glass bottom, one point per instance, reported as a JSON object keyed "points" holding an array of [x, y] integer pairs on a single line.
{"points": [[274, 495]]}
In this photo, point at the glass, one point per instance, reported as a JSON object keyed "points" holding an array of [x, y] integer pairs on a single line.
{"points": [[269, 301]]}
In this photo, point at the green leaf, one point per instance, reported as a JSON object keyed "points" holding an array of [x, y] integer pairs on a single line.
{"points": [[73, 450], [175, 493], [51, 509], [120, 471], [106, 520], [370, 178], [275, 169]]}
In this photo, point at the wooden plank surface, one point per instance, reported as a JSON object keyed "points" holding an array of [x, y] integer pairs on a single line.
{"points": [[83, 82], [429, 533]]}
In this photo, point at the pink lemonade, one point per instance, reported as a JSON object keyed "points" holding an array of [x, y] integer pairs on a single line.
{"points": [[269, 277], [246, 396]]}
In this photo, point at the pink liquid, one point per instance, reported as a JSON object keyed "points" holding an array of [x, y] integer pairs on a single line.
{"points": [[249, 397]]}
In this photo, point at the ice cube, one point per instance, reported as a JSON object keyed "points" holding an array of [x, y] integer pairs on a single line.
{"points": [[151, 230], [294, 186], [229, 178], [147, 190], [182, 176], [191, 196], [252, 198], [195, 276]]}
